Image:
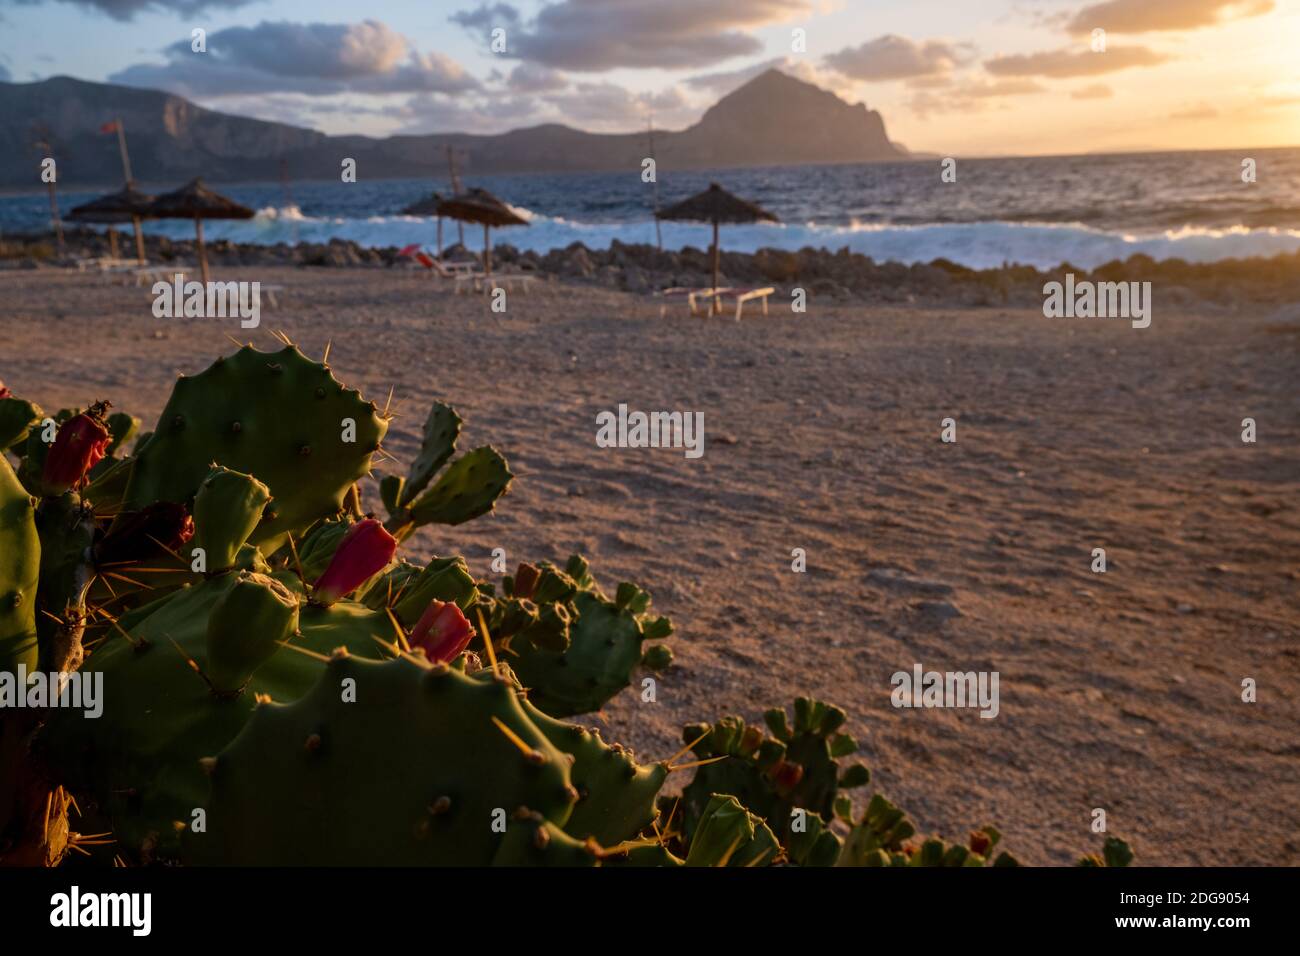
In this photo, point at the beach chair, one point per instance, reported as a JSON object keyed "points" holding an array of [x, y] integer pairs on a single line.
{"points": [[497, 280], [445, 269], [157, 272], [741, 296], [692, 297]]}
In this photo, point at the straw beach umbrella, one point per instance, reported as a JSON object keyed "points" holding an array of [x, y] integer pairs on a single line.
{"points": [[479, 205], [195, 201], [715, 205], [126, 205], [428, 207]]}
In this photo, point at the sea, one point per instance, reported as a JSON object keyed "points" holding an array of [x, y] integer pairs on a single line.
{"points": [[1084, 210]]}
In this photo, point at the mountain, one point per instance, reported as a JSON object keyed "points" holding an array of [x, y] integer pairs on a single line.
{"points": [[773, 119]]}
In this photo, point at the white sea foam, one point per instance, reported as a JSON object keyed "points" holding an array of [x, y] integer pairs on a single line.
{"points": [[980, 245]]}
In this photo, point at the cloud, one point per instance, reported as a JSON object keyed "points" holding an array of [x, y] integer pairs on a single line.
{"points": [[592, 36], [317, 59], [530, 77], [127, 9], [1067, 63], [892, 57], [1000, 88], [1148, 16], [969, 96], [1094, 91], [5, 75]]}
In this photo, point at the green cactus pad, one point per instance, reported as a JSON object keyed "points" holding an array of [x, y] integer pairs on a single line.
{"points": [[604, 650], [140, 760], [729, 835], [122, 428], [414, 772], [444, 579], [227, 508], [20, 562], [466, 490], [277, 416], [441, 429], [247, 625], [616, 795], [532, 840], [16, 419], [773, 776]]}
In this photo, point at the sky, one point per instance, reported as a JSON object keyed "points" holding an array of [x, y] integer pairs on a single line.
{"points": [[954, 77]]}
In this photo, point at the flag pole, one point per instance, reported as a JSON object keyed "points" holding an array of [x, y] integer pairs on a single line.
{"points": [[121, 145], [126, 171]]}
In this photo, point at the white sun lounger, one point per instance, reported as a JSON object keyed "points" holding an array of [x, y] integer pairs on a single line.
{"points": [[692, 297], [158, 272], [483, 283], [741, 296]]}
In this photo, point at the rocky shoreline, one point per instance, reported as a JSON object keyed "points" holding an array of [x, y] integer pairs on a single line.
{"points": [[841, 276]]}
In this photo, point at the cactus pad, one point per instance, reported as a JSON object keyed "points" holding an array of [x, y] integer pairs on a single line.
{"points": [[277, 416]]}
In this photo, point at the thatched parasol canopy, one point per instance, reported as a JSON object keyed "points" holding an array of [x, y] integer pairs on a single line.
{"points": [[195, 201], [716, 205], [424, 207], [122, 206], [126, 205], [479, 205]]}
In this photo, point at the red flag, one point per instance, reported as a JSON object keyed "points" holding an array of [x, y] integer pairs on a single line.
{"points": [[109, 127]]}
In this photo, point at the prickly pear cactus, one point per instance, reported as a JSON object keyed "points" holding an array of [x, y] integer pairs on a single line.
{"points": [[397, 763], [227, 509], [616, 795], [67, 528], [605, 641], [20, 561], [277, 416], [180, 677], [1114, 852], [16, 420], [797, 768], [879, 838], [727, 834], [468, 489]]}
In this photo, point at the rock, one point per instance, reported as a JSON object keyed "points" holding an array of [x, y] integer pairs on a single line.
{"points": [[578, 263], [938, 610]]}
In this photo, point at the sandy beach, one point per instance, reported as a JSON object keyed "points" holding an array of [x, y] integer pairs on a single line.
{"points": [[1119, 690]]}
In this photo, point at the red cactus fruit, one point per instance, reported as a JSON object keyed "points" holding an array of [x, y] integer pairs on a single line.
{"points": [[526, 579], [787, 776], [442, 632], [140, 534], [980, 842], [81, 444], [4, 390], [364, 551]]}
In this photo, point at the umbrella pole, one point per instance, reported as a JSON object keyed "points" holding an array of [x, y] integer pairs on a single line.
{"points": [[112, 242], [203, 253], [139, 240], [716, 307], [487, 250]]}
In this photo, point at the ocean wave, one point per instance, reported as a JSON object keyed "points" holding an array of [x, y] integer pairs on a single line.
{"points": [[979, 245]]}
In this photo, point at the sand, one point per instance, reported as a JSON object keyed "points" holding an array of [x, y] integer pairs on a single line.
{"points": [[1119, 690]]}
